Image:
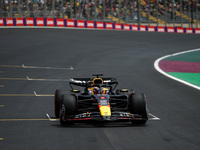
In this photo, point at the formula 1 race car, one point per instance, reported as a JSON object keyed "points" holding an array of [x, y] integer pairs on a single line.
{"points": [[99, 101]]}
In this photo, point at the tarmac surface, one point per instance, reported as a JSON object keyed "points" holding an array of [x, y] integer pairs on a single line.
{"points": [[36, 62]]}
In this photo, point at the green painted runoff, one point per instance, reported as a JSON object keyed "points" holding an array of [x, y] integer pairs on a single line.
{"points": [[189, 57], [193, 78]]}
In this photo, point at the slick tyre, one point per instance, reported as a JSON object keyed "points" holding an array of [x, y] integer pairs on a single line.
{"points": [[69, 108], [137, 105], [57, 102]]}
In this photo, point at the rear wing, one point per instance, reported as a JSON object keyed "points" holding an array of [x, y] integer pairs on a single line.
{"points": [[85, 82]]}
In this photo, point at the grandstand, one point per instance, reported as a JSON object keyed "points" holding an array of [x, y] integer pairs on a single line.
{"points": [[183, 13]]}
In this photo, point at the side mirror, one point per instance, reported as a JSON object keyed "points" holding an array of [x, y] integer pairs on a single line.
{"points": [[124, 90], [75, 91]]}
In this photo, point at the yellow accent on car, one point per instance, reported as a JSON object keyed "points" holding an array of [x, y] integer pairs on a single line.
{"points": [[124, 90], [105, 110], [97, 81]]}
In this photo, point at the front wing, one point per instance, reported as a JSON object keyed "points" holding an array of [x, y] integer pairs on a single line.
{"points": [[115, 116]]}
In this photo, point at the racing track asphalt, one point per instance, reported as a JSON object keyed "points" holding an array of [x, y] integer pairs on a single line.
{"points": [[128, 56]]}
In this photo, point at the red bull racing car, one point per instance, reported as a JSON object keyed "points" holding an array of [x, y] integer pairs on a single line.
{"points": [[99, 101]]}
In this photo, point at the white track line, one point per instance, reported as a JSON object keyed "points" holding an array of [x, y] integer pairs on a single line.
{"points": [[154, 117], [34, 79], [156, 65], [42, 94], [35, 93], [36, 67], [51, 119]]}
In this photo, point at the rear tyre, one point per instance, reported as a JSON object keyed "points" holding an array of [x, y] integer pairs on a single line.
{"points": [[69, 109], [138, 105], [57, 102]]}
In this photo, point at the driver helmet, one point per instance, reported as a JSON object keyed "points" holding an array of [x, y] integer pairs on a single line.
{"points": [[97, 90]]}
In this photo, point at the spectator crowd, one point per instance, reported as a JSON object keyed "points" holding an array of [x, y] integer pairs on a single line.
{"points": [[97, 9]]}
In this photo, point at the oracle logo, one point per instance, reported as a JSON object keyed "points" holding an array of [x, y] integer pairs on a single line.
{"points": [[197, 32], [151, 29], [180, 30], [70, 23], [29, 22], [118, 27], [142, 29], [90, 25], [9, 22], [40, 22], [100, 25], [126, 27], [60, 23], [170, 30], [135, 28], [19, 22], [81, 24], [50, 22], [189, 31], [109, 26], [161, 30]]}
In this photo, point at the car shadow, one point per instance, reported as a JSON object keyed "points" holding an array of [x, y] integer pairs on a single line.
{"points": [[100, 125]]}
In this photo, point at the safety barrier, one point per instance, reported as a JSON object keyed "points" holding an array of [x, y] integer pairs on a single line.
{"points": [[70, 23]]}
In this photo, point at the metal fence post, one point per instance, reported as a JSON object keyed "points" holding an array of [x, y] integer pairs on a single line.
{"points": [[133, 11], [173, 17], [53, 8], [10, 9], [79, 9], [139, 14], [181, 5], [149, 12], [1, 3], [119, 10], [157, 11], [36, 8], [189, 13], [126, 10], [45, 8], [111, 6], [165, 13], [27, 7], [87, 9], [104, 10], [197, 15]]}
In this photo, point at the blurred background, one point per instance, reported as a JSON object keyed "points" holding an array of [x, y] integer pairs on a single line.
{"points": [[176, 13]]}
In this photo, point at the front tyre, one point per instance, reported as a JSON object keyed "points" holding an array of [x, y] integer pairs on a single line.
{"points": [[68, 110], [57, 102], [138, 105]]}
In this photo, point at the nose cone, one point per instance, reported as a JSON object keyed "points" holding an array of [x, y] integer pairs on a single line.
{"points": [[105, 111]]}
